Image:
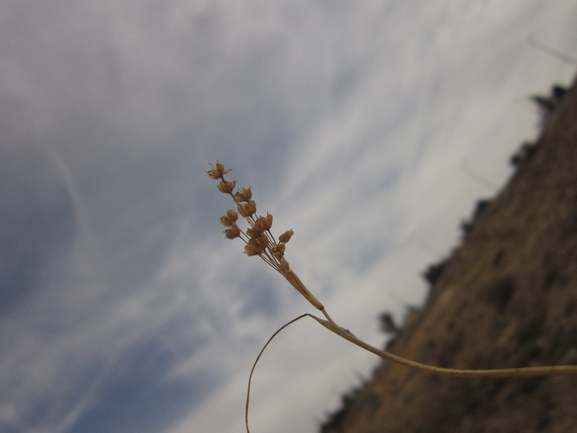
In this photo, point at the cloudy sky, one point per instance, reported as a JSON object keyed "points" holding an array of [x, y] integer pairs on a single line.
{"points": [[369, 128]]}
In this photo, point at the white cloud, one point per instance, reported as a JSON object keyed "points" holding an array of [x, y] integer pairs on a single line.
{"points": [[352, 123]]}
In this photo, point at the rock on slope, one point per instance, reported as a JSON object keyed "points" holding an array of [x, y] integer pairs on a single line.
{"points": [[507, 297]]}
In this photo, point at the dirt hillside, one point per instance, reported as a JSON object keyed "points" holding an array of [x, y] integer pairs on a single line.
{"points": [[506, 297]]}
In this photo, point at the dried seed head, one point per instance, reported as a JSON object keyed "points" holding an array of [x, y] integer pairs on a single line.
{"points": [[286, 236], [226, 186], [258, 239], [253, 233], [219, 171], [256, 245], [233, 232], [245, 194], [263, 224], [251, 250], [278, 250], [229, 219], [247, 209], [262, 240]]}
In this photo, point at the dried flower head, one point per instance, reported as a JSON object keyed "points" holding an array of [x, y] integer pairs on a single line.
{"points": [[253, 232], [229, 219], [233, 232], [256, 245], [218, 172], [278, 250], [226, 187], [247, 209], [258, 239], [286, 236], [263, 224], [245, 194]]}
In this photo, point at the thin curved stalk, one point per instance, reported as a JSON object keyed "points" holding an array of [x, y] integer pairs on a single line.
{"points": [[256, 361], [558, 370]]}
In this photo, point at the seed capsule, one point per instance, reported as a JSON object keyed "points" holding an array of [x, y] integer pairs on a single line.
{"points": [[286, 236], [263, 224], [278, 250], [245, 194], [219, 171], [233, 232], [226, 186], [229, 219], [256, 245], [247, 209]]}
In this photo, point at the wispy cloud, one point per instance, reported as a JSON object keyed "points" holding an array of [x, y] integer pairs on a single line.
{"points": [[122, 306]]}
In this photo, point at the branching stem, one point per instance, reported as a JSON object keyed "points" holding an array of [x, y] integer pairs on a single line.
{"points": [[259, 241]]}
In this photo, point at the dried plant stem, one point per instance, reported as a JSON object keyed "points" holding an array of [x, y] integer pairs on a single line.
{"points": [[259, 241], [559, 370], [256, 361]]}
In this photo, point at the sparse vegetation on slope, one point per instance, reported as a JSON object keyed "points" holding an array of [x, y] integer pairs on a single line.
{"points": [[507, 296]]}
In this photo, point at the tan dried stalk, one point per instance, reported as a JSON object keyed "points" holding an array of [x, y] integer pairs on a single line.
{"points": [[259, 241]]}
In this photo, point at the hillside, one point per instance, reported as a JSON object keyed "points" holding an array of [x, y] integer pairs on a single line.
{"points": [[506, 297]]}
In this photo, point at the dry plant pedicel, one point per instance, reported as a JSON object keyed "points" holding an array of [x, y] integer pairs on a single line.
{"points": [[260, 241]]}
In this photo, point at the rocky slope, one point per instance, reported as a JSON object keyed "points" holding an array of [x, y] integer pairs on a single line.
{"points": [[506, 297]]}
